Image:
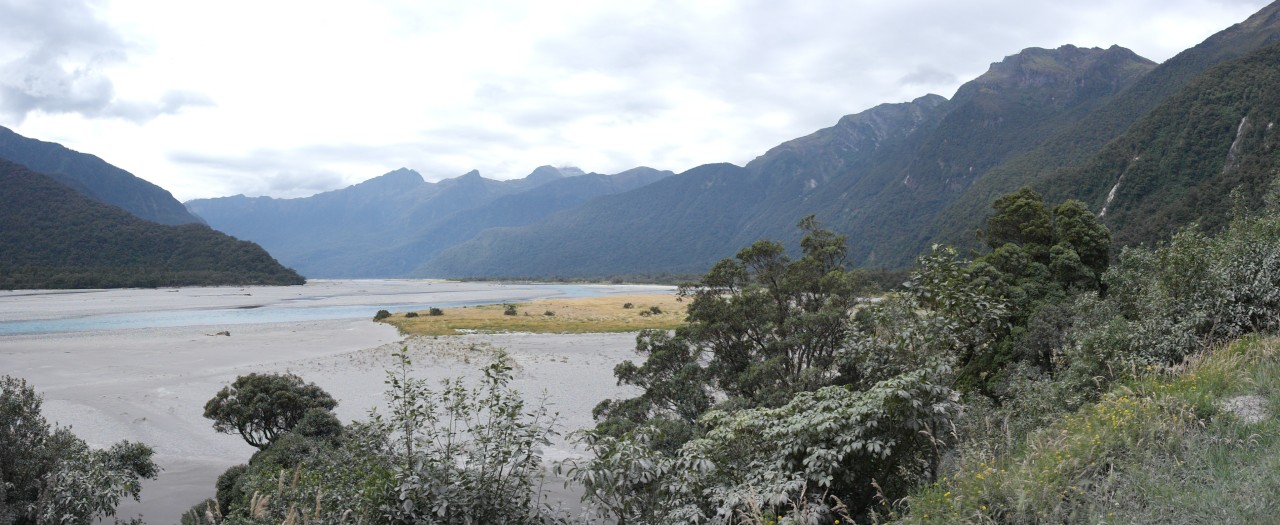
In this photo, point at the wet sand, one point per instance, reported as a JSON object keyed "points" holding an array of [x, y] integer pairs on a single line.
{"points": [[150, 384]]}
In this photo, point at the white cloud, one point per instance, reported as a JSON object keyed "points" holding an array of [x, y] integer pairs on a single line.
{"points": [[53, 57], [318, 95]]}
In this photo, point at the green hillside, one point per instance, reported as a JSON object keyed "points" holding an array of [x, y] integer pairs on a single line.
{"points": [[54, 237], [1182, 162], [1076, 145]]}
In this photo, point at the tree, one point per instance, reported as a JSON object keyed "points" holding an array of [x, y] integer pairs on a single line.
{"points": [[761, 327], [49, 475], [1020, 218], [263, 407]]}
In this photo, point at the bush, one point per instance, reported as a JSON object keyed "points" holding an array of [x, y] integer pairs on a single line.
{"points": [[458, 454], [435, 312], [548, 313], [655, 310], [509, 309], [49, 475], [628, 306], [409, 315], [229, 491], [382, 314]]}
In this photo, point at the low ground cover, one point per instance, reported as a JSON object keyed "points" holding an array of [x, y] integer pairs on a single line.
{"points": [[570, 316]]}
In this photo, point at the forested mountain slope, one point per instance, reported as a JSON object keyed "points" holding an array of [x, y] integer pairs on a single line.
{"points": [[1183, 161], [95, 178], [51, 236], [1078, 144]]}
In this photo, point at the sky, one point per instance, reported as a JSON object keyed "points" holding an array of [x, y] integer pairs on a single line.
{"points": [[290, 98]]}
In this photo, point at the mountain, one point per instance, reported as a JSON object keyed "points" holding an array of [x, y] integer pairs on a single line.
{"points": [[95, 178], [388, 225], [1183, 161], [52, 236], [1043, 167], [877, 176]]}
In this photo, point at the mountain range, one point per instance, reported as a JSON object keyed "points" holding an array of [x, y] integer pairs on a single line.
{"points": [[389, 225], [899, 177], [1149, 147]]}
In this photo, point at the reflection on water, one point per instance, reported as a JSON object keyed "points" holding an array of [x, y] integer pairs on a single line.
{"points": [[290, 310]]}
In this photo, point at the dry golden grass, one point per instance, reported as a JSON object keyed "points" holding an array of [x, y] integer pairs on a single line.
{"points": [[572, 316]]}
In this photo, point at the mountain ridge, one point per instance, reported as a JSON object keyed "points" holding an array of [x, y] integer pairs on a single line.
{"points": [[95, 178], [52, 236]]}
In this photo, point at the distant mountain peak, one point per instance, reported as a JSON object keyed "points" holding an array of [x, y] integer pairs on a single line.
{"points": [[549, 173], [1056, 76], [401, 179]]}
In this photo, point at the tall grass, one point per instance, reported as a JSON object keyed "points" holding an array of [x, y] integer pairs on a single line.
{"points": [[1159, 448]]}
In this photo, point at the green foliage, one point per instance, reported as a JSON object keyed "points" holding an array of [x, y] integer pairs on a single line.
{"points": [[48, 475], [509, 309], [760, 328], [816, 404], [830, 442], [1194, 292], [1163, 447], [435, 312], [465, 455], [408, 315], [459, 454], [381, 314], [1021, 219], [263, 407]]}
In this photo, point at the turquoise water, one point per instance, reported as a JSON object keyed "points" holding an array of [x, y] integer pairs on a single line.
{"points": [[274, 313]]}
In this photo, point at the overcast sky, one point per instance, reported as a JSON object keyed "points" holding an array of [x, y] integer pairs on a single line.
{"points": [[290, 98]]}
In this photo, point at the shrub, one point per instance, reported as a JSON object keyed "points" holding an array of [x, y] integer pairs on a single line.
{"points": [[435, 312], [548, 313], [628, 306], [655, 310], [382, 314], [49, 475], [509, 309], [409, 315]]}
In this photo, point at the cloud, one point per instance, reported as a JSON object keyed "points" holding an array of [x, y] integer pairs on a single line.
{"points": [[58, 52], [928, 76]]}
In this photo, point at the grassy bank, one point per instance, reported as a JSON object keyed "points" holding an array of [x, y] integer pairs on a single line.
{"points": [[615, 313], [1199, 444]]}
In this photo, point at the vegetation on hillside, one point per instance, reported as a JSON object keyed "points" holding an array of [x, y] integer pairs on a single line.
{"points": [[54, 237]]}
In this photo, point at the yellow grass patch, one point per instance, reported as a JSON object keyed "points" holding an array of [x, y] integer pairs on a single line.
{"points": [[570, 316]]}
